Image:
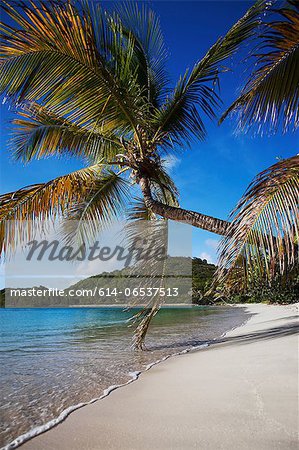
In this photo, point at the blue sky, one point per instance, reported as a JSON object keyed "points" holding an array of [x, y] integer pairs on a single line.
{"points": [[211, 176]]}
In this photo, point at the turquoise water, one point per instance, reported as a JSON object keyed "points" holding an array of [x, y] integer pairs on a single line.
{"points": [[52, 358]]}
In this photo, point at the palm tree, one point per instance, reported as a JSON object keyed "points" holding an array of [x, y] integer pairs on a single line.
{"points": [[262, 240], [92, 83]]}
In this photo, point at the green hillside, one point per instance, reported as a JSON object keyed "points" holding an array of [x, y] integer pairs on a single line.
{"points": [[99, 289]]}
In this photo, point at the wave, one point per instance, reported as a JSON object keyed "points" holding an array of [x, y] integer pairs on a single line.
{"points": [[64, 414]]}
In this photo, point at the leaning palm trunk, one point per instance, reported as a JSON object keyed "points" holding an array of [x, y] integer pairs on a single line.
{"points": [[193, 218]]}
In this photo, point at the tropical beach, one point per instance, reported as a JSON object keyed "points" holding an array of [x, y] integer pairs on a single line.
{"points": [[56, 358], [149, 224], [240, 392]]}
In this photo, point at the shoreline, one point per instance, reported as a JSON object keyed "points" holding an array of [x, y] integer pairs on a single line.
{"points": [[40, 438], [39, 430], [20, 440]]}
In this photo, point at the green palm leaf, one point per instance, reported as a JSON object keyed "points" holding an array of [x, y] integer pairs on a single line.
{"points": [[271, 97], [178, 120], [262, 240], [24, 212], [150, 53], [139, 212], [55, 59], [39, 133]]}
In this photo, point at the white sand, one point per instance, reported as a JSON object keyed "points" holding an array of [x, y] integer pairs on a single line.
{"points": [[240, 394]]}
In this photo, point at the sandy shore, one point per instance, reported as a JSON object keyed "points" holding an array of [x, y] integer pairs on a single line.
{"points": [[240, 393]]}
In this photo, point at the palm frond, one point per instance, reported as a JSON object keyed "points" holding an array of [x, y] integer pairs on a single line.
{"points": [[104, 203], [23, 212], [262, 240], [179, 120], [270, 99], [147, 273], [144, 317], [39, 133], [163, 187], [139, 212], [150, 53], [54, 59]]}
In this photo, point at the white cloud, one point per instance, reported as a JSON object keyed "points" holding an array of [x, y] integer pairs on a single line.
{"points": [[207, 256], [97, 266], [171, 161], [212, 243]]}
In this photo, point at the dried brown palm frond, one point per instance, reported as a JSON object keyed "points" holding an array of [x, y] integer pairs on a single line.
{"points": [[146, 233], [145, 317], [26, 210], [149, 305], [262, 241], [103, 203], [271, 97], [58, 58]]}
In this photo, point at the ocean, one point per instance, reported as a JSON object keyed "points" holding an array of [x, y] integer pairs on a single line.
{"points": [[53, 359]]}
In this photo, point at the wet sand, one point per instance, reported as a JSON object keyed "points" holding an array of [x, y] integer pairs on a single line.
{"points": [[239, 393]]}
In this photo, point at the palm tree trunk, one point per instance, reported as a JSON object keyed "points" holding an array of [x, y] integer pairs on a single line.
{"points": [[196, 219]]}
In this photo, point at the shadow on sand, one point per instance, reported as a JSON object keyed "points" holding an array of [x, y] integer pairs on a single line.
{"points": [[241, 339], [271, 333]]}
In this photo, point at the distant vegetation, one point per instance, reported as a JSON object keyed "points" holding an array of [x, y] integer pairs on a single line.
{"points": [[178, 273], [278, 292], [202, 277], [2, 298]]}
